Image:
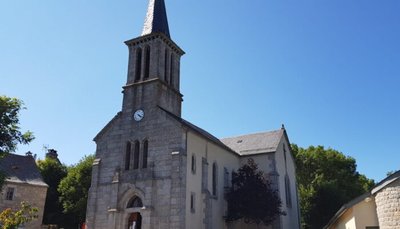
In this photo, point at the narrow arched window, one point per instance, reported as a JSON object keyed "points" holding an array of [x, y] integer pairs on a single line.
{"points": [[166, 66], [171, 70], [288, 192], [147, 63], [127, 156], [193, 202], [284, 151], [226, 178], [138, 64], [214, 178], [145, 153], [136, 155], [193, 164]]}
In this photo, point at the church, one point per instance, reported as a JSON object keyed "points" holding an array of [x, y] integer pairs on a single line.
{"points": [[154, 169]]}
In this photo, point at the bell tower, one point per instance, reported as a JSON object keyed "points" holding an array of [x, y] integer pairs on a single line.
{"points": [[154, 66]]}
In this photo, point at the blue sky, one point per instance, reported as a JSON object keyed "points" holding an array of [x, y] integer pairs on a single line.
{"points": [[328, 70]]}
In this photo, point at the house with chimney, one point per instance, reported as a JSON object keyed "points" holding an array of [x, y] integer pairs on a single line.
{"points": [[23, 183]]}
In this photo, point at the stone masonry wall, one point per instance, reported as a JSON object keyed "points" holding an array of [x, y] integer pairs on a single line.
{"points": [[388, 206], [161, 184], [34, 195]]}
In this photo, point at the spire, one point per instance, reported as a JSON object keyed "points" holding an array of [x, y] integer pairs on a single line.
{"points": [[156, 19]]}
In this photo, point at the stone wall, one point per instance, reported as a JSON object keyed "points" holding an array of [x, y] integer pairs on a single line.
{"points": [[161, 185], [388, 206], [34, 195]]}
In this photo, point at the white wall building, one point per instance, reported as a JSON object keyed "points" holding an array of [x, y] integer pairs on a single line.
{"points": [[379, 208]]}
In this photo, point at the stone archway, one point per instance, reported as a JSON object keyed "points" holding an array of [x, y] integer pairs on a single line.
{"points": [[131, 201], [133, 213]]}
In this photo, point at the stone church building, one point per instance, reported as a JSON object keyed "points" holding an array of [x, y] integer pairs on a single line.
{"points": [[154, 169]]}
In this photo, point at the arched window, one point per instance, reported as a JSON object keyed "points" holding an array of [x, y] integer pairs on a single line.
{"points": [[128, 156], [226, 178], [284, 152], [171, 70], [166, 66], [288, 192], [193, 167], [145, 153], [138, 64], [136, 155], [214, 178], [147, 63], [193, 202], [135, 202], [233, 176]]}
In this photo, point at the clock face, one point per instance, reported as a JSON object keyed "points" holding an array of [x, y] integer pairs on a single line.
{"points": [[138, 115]]}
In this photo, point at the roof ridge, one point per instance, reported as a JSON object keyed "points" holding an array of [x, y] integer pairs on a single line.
{"points": [[14, 154], [256, 133], [200, 131]]}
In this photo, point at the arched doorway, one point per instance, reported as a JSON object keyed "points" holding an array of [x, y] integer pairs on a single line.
{"points": [[135, 221], [135, 218]]}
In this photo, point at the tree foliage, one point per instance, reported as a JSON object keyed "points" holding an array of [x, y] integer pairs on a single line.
{"points": [[10, 133], [10, 219], [52, 172], [327, 179], [74, 189], [251, 197]]}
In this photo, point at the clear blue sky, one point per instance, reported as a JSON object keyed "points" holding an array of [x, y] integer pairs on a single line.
{"points": [[329, 70]]}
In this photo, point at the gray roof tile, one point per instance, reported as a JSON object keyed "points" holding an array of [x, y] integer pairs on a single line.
{"points": [[199, 130], [156, 18], [245, 145], [21, 169], [257, 143]]}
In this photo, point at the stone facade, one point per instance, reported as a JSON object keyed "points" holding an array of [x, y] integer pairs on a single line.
{"points": [[23, 184], [34, 195], [157, 179], [144, 174], [388, 206], [159, 185]]}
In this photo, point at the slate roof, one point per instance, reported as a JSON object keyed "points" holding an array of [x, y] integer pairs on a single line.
{"points": [[156, 19], [198, 130], [21, 169], [251, 144], [245, 145]]}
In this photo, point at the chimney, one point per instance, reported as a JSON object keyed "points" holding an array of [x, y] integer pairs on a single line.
{"points": [[29, 153], [52, 153]]}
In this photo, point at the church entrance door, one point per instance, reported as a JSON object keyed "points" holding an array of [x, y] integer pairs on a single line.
{"points": [[135, 221]]}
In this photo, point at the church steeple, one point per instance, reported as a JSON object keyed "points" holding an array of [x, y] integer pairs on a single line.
{"points": [[154, 66], [156, 19]]}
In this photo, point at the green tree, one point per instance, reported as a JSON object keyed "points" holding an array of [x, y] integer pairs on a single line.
{"points": [[52, 172], [10, 219], [10, 132], [251, 197], [74, 189], [327, 179]]}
